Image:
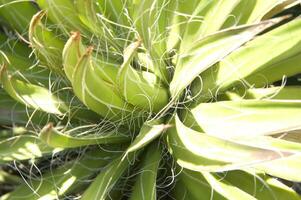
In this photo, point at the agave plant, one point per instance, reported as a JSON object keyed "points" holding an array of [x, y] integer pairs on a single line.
{"points": [[149, 99]]}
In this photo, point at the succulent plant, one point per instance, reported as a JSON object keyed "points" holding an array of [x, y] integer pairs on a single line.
{"points": [[149, 99]]}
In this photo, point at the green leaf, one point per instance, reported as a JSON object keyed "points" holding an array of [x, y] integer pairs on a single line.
{"points": [[106, 180], [17, 114], [205, 18], [17, 14], [55, 138], [279, 6], [137, 88], [114, 11], [31, 95], [277, 93], [276, 71], [62, 180], [148, 132], [259, 185], [6, 133], [212, 185], [11, 112], [97, 94], [16, 50], [105, 66], [271, 143], [7, 178], [23, 147], [235, 185], [253, 11], [180, 192], [286, 168], [240, 65], [72, 52], [151, 19], [88, 15], [62, 13], [225, 189], [48, 47], [198, 151], [209, 50], [196, 185], [246, 122], [145, 13], [108, 177], [248, 117], [145, 185], [17, 56]]}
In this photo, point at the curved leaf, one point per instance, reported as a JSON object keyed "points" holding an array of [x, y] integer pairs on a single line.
{"points": [[104, 182], [259, 185], [17, 14], [248, 117], [282, 49], [137, 89], [31, 95], [23, 147], [145, 185], [48, 47], [62, 180], [210, 50], [62, 13], [55, 138], [201, 152]]}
